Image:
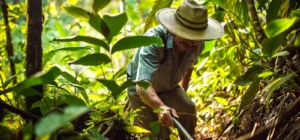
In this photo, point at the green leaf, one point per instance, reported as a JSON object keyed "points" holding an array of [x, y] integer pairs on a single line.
{"points": [[266, 74], [115, 23], [111, 85], [249, 75], [282, 53], [92, 60], [221, 101], [143, 84], [272, 12], [87, 39], [272, 45], [155, 128], [6, 83], [135, 42], [278, 26], [297, 40], [5, 132], [27, 131], [276, 84], [54, 121], [99, 25], [77, 12], [151, 20], [250, 94], [73, 100], [158, 110], [296, 13], [121, 72], [50, 54], [28, 92], [39, 79], [135, 129], [82, 91], [98, 5]]}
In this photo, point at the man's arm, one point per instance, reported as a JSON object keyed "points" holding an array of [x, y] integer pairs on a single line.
{"points": [[150, 98], [184, 83]]}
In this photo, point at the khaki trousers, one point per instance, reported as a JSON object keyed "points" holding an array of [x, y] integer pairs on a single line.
{"points": [[175, 98]]}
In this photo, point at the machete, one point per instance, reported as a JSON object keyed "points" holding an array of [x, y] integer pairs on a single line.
{"points": [[182, 130]]}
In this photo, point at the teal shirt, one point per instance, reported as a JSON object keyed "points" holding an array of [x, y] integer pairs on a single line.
{"points": [[161, 68]]}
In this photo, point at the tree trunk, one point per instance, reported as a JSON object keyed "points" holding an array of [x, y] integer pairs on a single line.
{"points": [[34, 49], [9, 47]]}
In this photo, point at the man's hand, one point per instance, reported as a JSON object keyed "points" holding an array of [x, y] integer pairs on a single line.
{"points": [[165, 116]]}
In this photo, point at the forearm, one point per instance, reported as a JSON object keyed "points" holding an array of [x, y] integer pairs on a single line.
{"points": [[184, 83], [149, 97]]}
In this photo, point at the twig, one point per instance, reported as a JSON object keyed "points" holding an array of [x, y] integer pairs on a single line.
{"points": [[23, 114]]}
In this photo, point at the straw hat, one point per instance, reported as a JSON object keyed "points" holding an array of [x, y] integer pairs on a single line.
{"points": [[190, 21]]}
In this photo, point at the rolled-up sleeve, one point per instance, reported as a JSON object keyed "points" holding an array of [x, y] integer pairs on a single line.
{"points": [[149, 57]]}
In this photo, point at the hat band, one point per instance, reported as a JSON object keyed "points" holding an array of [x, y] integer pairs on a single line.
{"points": [[190, 24]]}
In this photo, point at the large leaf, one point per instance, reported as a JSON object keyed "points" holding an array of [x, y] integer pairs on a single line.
{"points": [[115, 24], [250, 94], [135, 42], [39, 79], [77, 12], [54, 121], [82, 91], [99, 24], [87, 39], [272, 12], [92, 60], [50, 54], [98, 5], [249, 75], [73, 100], [272, 45], [276, 84], [278, 26], [135, 129], [151, 20]]}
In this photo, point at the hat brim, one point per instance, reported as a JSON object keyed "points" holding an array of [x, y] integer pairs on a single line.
{"points": [[167, 18]]}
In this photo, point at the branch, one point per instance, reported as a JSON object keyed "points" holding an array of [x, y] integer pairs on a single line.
{"points": [[20, 112]]}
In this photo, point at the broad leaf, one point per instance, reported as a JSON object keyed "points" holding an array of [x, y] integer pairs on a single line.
{"points": [[135, 42], [151, 20], [297, 40], [121, 72], [221, 100], [283, 53], [87, 39], [54, 121], [50, 54], [250, 94], [272, 45], [111, 86], [6, 83], [28, 92], [39, 79], [266, 74], [115, 24], [98, 5], [135, 129], [249, 75], [77, 12], [82, 91], [272, 12], [278, 26], [276, 84], [73, 100], [99, 24], [92, 60]]}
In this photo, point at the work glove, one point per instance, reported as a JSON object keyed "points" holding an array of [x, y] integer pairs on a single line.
{"points": [[165, 116]]}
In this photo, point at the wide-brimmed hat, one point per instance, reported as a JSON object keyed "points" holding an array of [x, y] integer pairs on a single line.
{"points": [[190, 21]]}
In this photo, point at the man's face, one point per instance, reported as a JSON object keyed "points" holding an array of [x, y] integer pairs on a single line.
{"points": [[185, 45]]}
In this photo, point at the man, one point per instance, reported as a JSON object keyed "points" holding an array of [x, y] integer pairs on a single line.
{"points": [[168, 68]]}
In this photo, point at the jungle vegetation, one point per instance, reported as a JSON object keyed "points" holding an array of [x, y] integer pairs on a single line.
{"points": [[62, 70]]}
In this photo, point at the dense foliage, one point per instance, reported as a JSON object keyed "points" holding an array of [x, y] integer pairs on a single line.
{"points": [[87, 44]]}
